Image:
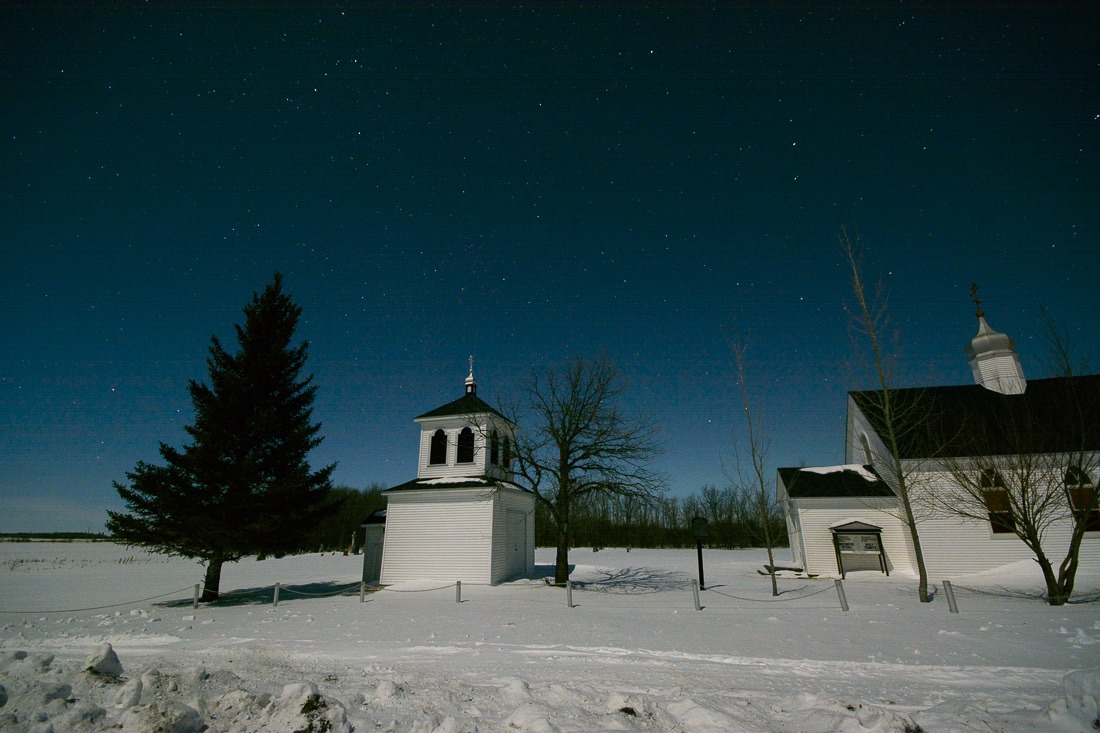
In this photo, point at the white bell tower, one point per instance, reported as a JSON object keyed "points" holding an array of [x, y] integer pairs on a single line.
{"points": [[466, 437]]}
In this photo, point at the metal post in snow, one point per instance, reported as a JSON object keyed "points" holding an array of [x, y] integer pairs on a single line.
{"points": [[362, 591], [695, 591], [699, 550], [458, 591], [700, 531], [840, 592], [950, 593], [569, 593], [195, 603], [275, 600]]}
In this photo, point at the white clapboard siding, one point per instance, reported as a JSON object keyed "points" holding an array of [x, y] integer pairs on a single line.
{"points": [[794, 536], [952, 545], [422, 460], [513, 506], [452, 426], [443, 535], [451, 467], [956, 546], [817, 515]]}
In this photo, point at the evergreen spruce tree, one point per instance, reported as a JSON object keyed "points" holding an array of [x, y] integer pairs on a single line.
{"points": [[242, 486]]}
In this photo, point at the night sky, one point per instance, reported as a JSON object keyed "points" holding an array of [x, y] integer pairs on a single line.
{"points": [[522, 185]]}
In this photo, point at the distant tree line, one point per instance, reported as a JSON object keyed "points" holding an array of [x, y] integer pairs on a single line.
{"points": [[54, 537], [598, 521], [341, 530], [609, 521]]}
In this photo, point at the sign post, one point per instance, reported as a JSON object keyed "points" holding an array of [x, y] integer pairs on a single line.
{"points": [[699, 530]]}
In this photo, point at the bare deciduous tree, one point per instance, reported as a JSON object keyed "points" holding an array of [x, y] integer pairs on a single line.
{"points": [[1061, 356], [578, 442], [1028, 494], [870, 320], [756, 504], [1028, 466]]}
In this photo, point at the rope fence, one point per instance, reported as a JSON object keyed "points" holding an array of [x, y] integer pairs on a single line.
{"points": [[769, 600], [1087, 595], [998, 593], [327, 594], [100, 608], [279, 590], [593, 588], [418, 590]]}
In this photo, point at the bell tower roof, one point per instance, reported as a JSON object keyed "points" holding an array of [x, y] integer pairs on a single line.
{"points": [[988, 341], [468, 404]]}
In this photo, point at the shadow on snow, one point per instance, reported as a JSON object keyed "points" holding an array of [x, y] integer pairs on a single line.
{"points": [[265, 595], [633, 581]]}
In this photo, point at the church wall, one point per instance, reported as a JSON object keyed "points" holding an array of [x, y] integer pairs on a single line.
{"points": [[794, 535], [956, 546], [816, 516], [794, 527], [952, 545], [443, 535], [509, 505]]}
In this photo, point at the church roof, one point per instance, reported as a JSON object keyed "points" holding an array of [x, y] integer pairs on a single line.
{"points": [[455, 482], [847, 481], [467, 404], [1053, 416]]}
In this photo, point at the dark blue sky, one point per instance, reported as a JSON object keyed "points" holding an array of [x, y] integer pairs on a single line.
{"points": [[524, 185]]}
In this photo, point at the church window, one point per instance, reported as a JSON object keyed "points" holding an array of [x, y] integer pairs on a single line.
{"points": [[437, 456], [507, 463], [1082, 496], [867, 457], [465, 446], [494, 448], [997, 503]]}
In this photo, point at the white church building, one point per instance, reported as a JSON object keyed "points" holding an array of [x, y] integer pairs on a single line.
{"points": [[846, 518], [462, 518]]}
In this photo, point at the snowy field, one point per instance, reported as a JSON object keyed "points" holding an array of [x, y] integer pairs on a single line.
{"points": [[633, 654]]}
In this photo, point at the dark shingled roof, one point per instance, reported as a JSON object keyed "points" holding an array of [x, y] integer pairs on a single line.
{"points": [[804, 484], [1051, 416], [457, 482], [467, 404]]}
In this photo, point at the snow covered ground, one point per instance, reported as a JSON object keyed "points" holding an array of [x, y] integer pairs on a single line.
{"points": [[633, 654]]}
